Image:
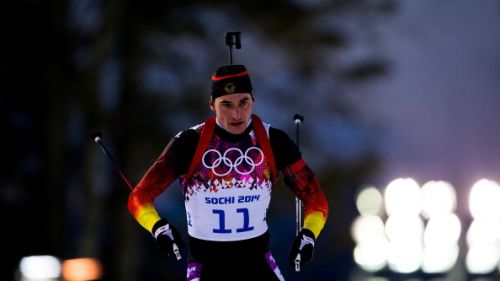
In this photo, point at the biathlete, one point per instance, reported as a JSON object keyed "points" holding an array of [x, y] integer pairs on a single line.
{"points": [[226, 167]]}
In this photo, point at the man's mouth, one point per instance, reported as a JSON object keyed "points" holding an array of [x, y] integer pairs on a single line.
{"points": [[237, 124]]}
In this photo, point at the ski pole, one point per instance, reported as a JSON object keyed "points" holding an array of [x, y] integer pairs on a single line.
{"points": [[97, 137], [298, 119]]}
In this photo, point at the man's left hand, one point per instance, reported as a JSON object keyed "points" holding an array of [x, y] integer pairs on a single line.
{"points": [[302, 249]]}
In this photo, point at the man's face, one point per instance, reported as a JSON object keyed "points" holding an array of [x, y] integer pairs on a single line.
{"points": [[233, 111]]}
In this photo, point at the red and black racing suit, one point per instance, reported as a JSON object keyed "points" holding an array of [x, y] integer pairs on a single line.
{"points": [[226, 200]]}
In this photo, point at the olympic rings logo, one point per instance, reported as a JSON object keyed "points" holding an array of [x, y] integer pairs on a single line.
{"points": [[242, 160]]}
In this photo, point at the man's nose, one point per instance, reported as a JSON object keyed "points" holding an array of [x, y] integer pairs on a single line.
{"points": [[236, 113]]}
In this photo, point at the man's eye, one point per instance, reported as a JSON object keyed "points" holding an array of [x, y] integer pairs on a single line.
{"points": [[227, 105]]}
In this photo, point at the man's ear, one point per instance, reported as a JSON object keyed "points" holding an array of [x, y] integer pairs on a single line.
{"points": [[212, 104]]}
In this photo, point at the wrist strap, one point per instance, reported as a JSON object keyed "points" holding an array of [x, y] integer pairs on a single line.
{"points": [[161, 229], [308, 240]]}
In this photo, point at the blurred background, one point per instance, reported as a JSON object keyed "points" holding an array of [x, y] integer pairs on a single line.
{"points": [[400, 100]]}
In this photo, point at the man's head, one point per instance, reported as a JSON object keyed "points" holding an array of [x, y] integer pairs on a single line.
{"points": [[232, 99], [230, 79]]}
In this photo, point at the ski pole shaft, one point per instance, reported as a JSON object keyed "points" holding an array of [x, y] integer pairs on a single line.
{"points": [[97, 139], [298, 119]]}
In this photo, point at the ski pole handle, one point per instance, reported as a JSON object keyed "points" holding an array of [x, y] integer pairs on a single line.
{"points": [[176, 251], [297, 263]]}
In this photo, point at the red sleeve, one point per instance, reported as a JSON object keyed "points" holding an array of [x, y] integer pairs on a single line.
{"points": [[154, 182], [173, 161], [305, 185]]}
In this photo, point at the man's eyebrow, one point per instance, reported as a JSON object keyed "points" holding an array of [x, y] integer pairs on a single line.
{"points": [[229, 102]]}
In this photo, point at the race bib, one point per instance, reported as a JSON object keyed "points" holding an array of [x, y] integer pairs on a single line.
{"points": [[228, 196]]}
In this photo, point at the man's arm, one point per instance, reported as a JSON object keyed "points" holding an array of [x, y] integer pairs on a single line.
{"points": [[173, 162], [304, 184], [301, 180]]}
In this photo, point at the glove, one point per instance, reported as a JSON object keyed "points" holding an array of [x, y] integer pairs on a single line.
{"points": [[168, 239], [302, 249]]}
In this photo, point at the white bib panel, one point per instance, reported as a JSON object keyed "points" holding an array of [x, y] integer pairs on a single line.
{"points": [[229, 194]]}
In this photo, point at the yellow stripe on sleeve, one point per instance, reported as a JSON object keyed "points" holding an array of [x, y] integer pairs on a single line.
{"points": [[147, 216], [314, 222]]}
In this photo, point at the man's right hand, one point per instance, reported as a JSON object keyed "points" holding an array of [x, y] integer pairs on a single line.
{"points": [[168, 239]]}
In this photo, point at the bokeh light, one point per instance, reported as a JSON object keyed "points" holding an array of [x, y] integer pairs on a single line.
{"points": [[481, 259], [443, 229], [404, 228], [440, 258], [419, 230], [81, 269], [370, 201], [485, 230], [40, 268], [366, 229], [371, 256], [403, 197], [484, 199], [438, 198], [483, 235], [404, 256]]}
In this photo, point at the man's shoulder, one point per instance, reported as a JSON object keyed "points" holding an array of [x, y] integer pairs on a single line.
{"points": [[275, 133], [272, 131], [191, 133]]}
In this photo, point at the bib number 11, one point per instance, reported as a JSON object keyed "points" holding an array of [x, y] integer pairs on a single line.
{"points": [[222, 221]]}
